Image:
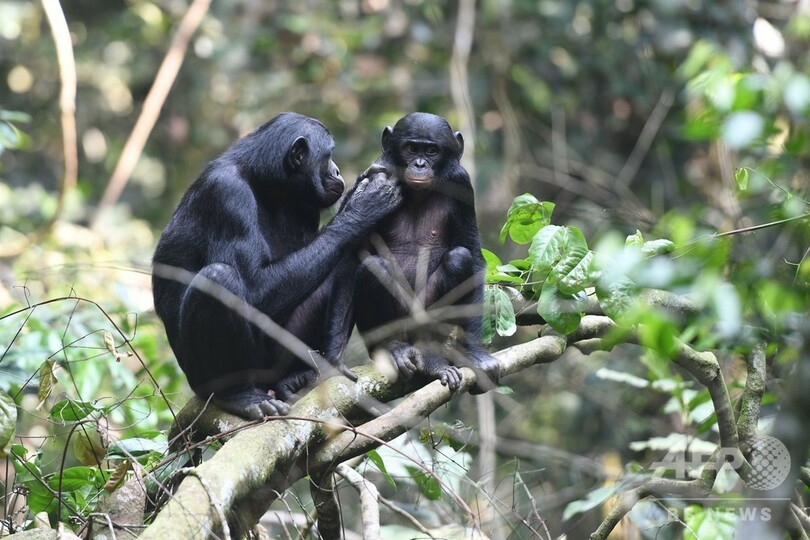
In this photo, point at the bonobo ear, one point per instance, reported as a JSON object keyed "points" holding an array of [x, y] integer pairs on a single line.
{"points": [[460, 141], [386, 138], [298, 153]]}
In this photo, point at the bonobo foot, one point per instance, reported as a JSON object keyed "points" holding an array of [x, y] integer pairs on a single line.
{"points": [[436, 367], [251, 403], [407, 358], [486, 368]]}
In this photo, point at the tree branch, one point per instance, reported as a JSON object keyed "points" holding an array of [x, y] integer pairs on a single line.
{"points": [[164, 80]]}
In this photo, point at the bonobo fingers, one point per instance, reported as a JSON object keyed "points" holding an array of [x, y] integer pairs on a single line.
{"points": [[449, 376], [373, 169], [348, 373], [274, 407], [407, 358], [250, 403]]}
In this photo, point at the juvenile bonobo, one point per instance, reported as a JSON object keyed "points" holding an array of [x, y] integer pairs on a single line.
{"points": [[249, 226], [426, 256]]}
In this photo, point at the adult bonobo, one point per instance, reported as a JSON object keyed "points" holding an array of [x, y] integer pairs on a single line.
{"points": [[426, 256], [249, 226]]}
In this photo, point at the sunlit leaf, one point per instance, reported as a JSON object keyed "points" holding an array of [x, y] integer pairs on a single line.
{"points": [[741, 176], [525, 217], [46, 382], [491, 259]]}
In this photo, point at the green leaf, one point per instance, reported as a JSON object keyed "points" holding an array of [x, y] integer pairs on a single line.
{"points": [[504, 278], [74, 478], [8, 422], [136, 447], [573, 274], [659, 334], [40, 498], [525, 217], [636, 240], [492, 260], [702, 53], [505, 323], [69, 410], [46, 381], [427, 483], [616, 298], [657, 247], [742, 178], [560, 311], [378, 462], [547, 249], [499, 314]]}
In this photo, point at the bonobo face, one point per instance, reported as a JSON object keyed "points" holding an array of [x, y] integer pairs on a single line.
{"points": [[309, 161], [420, 145], [331, 181]]}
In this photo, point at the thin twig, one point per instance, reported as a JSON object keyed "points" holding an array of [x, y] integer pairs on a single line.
{"points": [[67, 102], [164, 80]]}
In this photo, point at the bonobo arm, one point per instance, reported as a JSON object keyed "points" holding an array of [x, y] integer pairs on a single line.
{"points": [[278, 285]]}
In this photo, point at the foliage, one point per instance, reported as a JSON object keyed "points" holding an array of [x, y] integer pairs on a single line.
{"points": [[668, 145]]}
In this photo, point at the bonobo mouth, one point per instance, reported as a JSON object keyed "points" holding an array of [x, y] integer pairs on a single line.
{"points": [[419, 180]]}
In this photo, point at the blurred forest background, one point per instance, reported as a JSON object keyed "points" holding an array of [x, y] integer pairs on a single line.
{"points": [[630, 115]]}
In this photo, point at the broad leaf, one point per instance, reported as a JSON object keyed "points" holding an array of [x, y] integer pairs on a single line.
{"points": [[560, 311], [69, 410], [74, 478], [8, 422], [525, 217]]}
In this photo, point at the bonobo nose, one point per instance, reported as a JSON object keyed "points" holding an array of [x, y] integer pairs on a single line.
{"points": [[421, 163]]}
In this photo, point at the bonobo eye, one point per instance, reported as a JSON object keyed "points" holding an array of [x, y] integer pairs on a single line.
{"points": [[409, 148], [431, 150]]}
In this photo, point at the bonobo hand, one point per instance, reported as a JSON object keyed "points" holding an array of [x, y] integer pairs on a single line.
{"points": [[373, 196]]}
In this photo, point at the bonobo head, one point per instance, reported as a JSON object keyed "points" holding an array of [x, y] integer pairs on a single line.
{"points": [[420, 146], [293, 152]]}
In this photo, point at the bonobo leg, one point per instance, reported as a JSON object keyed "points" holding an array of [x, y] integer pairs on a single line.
{"points": [[288, 387], [220, 349], [485, 366], [443, 286]]}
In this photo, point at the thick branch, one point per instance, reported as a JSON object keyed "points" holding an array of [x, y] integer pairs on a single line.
{"points": [[250, 469]]}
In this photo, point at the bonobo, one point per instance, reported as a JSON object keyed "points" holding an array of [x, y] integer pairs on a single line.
{"points": [[249, 226], [427, 257]]}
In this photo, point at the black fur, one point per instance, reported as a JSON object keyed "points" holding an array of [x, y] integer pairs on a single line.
{"points": [[426, 256], [249, 225]]}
